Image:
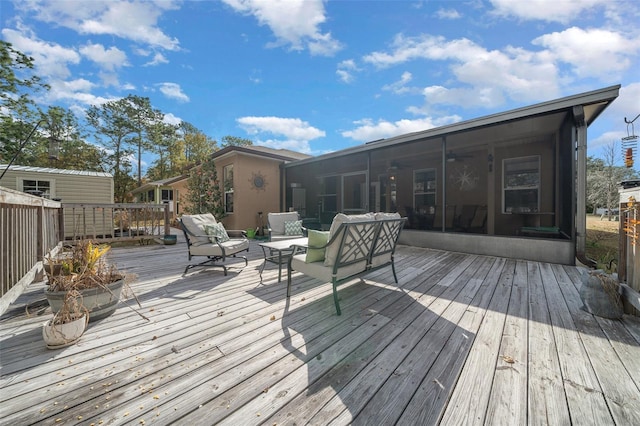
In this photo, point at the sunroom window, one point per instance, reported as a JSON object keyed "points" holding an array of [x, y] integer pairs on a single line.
{"points": [[521, 185]]}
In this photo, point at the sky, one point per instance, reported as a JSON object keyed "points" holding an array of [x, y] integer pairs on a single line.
{"points": [[319, 76]]}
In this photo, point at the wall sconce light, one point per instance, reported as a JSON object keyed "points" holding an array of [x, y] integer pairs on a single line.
{"points": [[490, 161]]}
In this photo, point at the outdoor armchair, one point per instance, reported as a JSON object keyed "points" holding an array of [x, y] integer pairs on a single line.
{"points": [[207, 237], [284, 226]]}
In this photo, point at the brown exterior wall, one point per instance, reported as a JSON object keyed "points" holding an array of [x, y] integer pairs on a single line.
{"points": [[248, 200]]}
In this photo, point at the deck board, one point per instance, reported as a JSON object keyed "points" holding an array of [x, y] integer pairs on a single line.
{"points": [[461, 339]]}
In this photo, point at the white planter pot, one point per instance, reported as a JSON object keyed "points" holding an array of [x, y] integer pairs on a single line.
{"points": [[61, 335]]}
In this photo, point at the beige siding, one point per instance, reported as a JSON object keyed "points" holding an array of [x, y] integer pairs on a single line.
{"points": [[69, 187], [248, 200]]}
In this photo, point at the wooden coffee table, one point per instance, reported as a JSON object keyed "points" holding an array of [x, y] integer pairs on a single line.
{"points": [[278, 252]]}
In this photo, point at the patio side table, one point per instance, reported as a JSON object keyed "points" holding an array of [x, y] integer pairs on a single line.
{"points": [[278, 252]]}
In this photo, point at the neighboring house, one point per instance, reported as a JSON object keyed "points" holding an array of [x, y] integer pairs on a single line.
{"points": [[511, 184], [66, 186], [166, 191]]}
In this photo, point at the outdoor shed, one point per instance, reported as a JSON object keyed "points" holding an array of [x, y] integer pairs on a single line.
{"points": [[66, 186], [512, 184]]}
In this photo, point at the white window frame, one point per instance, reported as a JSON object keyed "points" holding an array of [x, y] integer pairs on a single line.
{"points": [[227, 191], [52, 185]]}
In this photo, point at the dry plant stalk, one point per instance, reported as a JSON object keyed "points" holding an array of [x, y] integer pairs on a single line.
{"points": [[82, 268], [610, 287], [71, 309]]}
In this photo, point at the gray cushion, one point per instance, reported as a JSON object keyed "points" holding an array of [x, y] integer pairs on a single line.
{"points": [[195, 224], [332, 249], [231, 247]]}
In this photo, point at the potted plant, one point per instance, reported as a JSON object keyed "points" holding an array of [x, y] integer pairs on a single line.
{"points": [[84, 270], [68, 323], [600, 293]]}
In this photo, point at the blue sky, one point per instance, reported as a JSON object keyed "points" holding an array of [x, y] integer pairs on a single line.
{"points": [[319, 76]]}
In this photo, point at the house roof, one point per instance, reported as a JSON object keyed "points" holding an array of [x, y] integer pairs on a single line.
{"points": [[256, 150], [262, 151], [16, 168], [157, 183], [545, 116]]}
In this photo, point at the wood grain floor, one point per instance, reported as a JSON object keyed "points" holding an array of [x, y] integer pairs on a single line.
{"points": [[462, 339]]}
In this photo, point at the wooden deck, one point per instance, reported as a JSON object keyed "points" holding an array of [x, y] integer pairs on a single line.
{"points": [[462, 339]]}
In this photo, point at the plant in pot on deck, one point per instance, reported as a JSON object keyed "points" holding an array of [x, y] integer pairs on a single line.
{"points": [[85, 271], [68, 323]]}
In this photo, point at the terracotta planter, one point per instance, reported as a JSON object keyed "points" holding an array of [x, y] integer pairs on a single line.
{"points": [[100, 302], [61, 335]]}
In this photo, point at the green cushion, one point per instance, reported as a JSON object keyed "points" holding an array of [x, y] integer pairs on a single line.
{"points": [[293, 227], [316, 239], [216, 232]]}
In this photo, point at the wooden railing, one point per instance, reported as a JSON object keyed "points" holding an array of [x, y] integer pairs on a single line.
{"points": [[33, 227], [30, 227], [115, 222]]}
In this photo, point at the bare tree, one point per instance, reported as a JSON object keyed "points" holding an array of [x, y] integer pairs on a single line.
{"points": [[604, 177]]}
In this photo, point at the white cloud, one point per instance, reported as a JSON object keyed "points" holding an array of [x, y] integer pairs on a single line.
{"points": [[346, 69], [448, 14], [487, 97], [157, 59], [605, 139], [170, 118], [294, 23], [592, 52], [290, 128], [400, 86], [293, 145], [107, 59], [50, 59], [489, 75], [130, 20], [368, 130], [627, 105], [546, 10], [75, 92], [173, 91], [109, 79]]}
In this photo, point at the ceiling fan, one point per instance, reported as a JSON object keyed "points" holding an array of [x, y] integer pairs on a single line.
{"points": [[451, 157], [393, 166]]}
